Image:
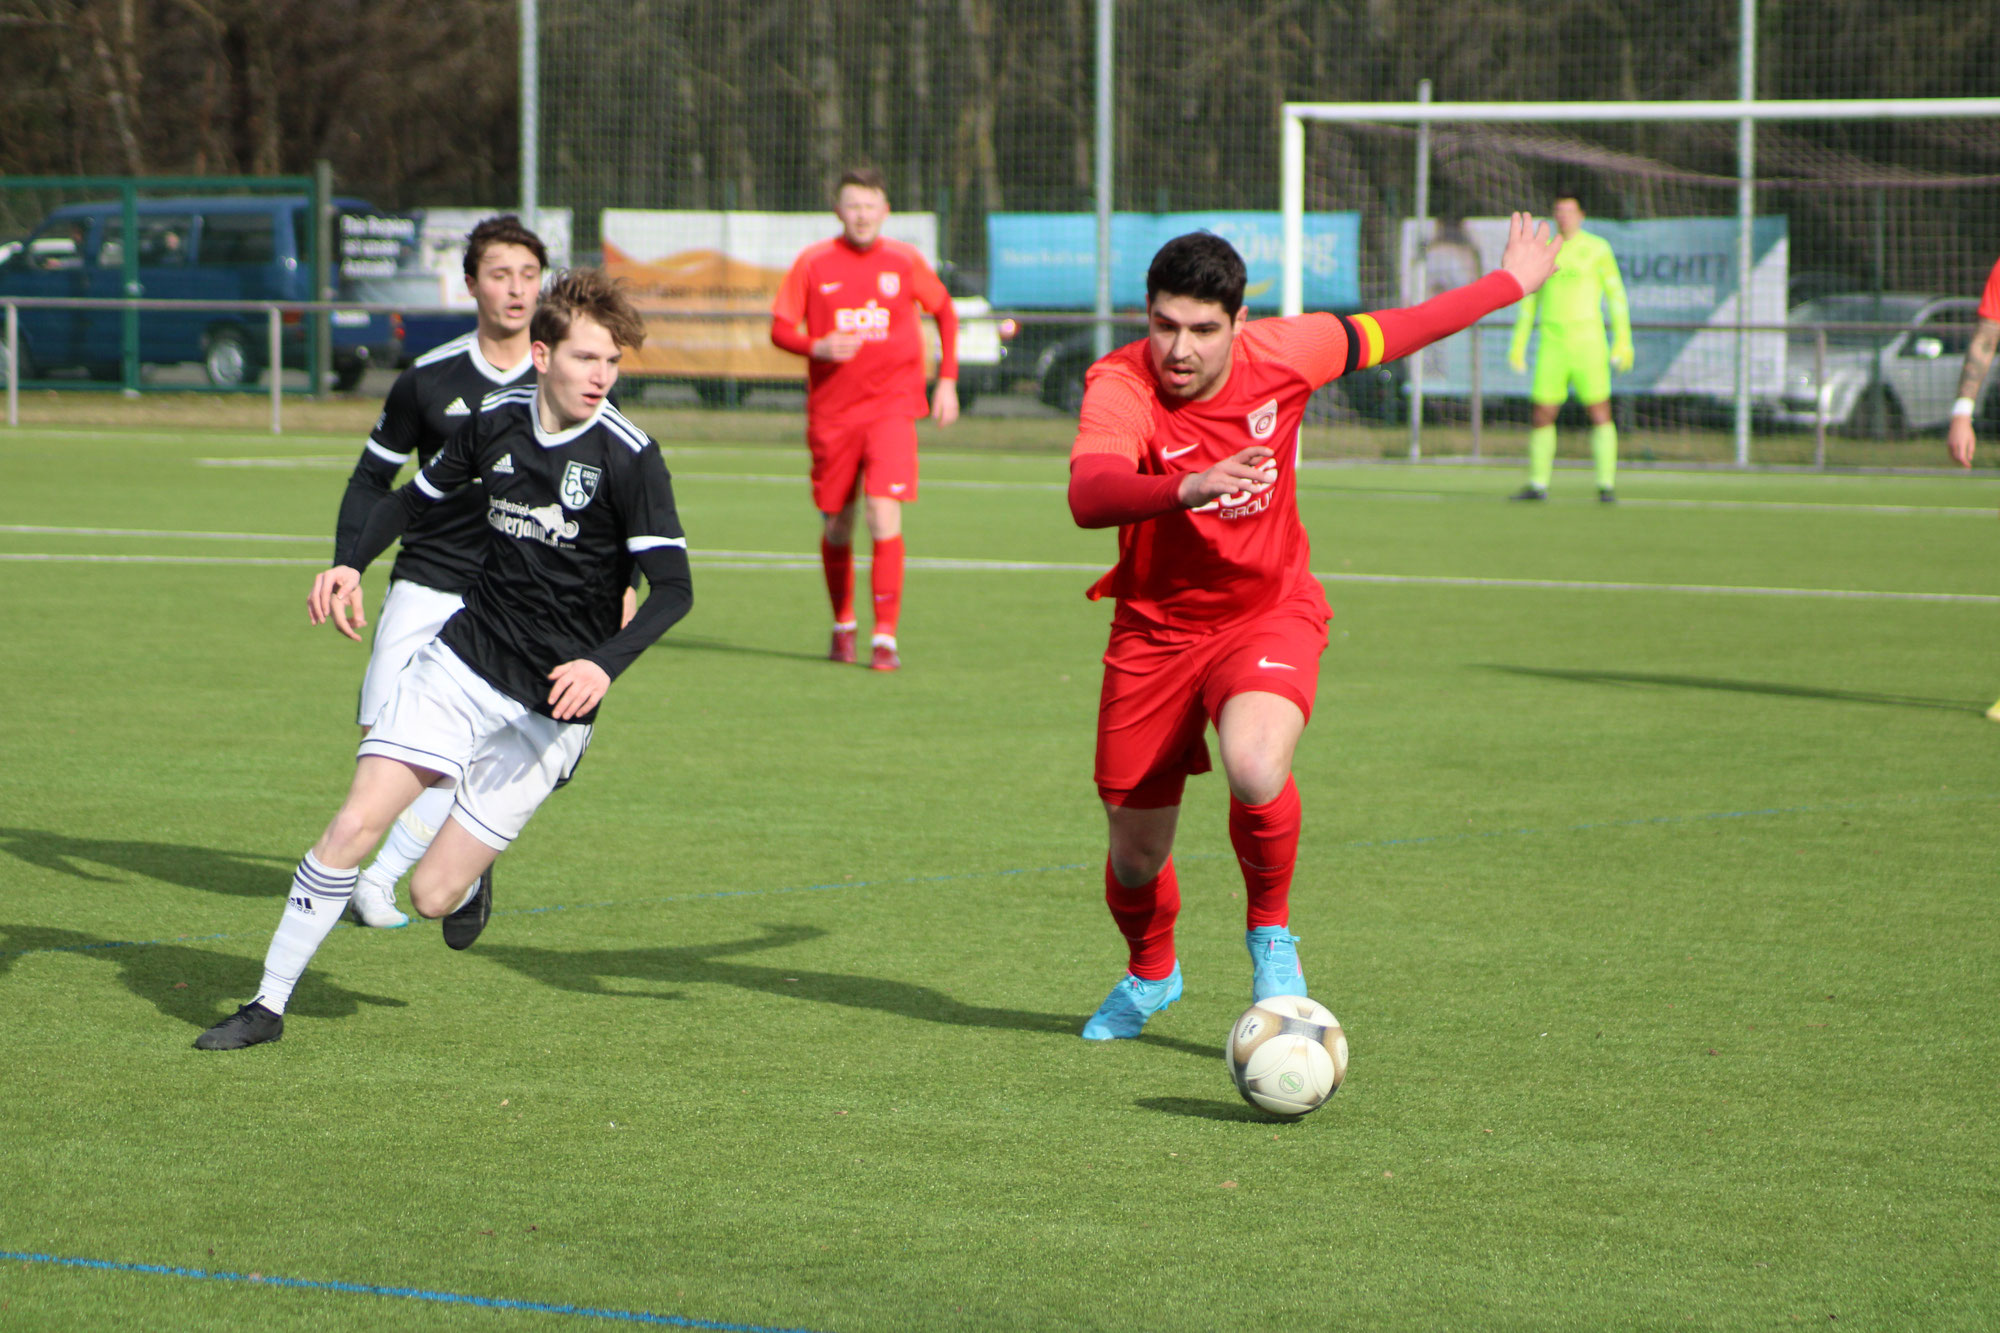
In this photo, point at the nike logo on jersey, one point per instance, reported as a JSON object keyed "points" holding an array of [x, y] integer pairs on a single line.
{"points": [[1176, 453], [506, 464], [1268, 665], [826, 287], [457, 408]]}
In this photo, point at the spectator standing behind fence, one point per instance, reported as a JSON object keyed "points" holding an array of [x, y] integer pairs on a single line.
{"points": [[1959, 435], [1572, 352], [857, 298]]}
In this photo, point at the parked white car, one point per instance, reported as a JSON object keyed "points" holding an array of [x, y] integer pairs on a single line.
{"points": [[1917, 364]]}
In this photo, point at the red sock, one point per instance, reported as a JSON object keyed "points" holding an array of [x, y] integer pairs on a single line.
{"points": [[1266, 839], [1145, 916], [838, 562], [886, 578]]}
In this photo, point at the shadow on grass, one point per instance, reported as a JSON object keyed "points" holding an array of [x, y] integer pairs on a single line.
{"points": [[1202, 1108], [245, 874], [1641, 678], [196, 986], [588, 972], [695, 645]]}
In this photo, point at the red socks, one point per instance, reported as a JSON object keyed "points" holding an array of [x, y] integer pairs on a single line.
{"points": [[1266, 839], [838, 563], [1145, 916], [886, 580]]}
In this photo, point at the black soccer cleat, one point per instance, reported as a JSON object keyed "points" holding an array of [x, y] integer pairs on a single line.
{"points": [[251, 1025], [1529, 493], [1607, 496], [462, 927]]}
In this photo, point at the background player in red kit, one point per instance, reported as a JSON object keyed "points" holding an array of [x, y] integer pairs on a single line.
{"points": [[857, 298], [1189, 443]]}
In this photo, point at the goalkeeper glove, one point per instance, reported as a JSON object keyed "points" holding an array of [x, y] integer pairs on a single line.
{"points": [[1518, 359], [1621, 355]]}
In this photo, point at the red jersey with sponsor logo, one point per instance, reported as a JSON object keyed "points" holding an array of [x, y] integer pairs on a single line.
{"points": [[1989, 304], [876, 293], [1235, 558]]}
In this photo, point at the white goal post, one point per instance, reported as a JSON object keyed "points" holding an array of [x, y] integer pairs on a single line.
{"points": [[1746, 113]]}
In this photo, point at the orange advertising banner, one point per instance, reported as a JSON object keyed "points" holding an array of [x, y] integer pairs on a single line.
{"points": [[705, 283]]}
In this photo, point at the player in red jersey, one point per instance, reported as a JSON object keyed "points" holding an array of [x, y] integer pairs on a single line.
{"points": [[1960, 437], [1189, 443], [850, 306]]}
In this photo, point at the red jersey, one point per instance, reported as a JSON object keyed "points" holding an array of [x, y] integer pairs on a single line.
{"points": [[876, 293], [1235, 558], [1989, 305]]}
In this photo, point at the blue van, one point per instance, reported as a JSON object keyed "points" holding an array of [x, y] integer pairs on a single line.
{"points": [[213, 248]]}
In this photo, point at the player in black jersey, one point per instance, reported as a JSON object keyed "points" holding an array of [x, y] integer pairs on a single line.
{"points": [[499, 706], [442, 550]]}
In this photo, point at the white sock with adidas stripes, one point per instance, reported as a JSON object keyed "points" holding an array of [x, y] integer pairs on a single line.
{"points": [[312, 909]]}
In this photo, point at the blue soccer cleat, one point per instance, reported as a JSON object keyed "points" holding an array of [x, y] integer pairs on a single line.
{"points": [[1131, 1002], [1274, 962]]}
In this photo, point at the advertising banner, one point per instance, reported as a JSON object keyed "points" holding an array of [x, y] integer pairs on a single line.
{"points": [[1048, 261], [697, 264], [441, 234], [1676, 270]]}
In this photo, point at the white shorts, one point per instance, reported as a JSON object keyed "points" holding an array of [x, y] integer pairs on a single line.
{"points": [[410, 617], [503, 757]]}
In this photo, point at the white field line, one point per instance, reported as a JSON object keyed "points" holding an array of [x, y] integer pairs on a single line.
{"points": [[799, 560], [320, 462]]}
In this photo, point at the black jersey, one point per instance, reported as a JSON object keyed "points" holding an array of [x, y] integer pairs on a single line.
{"points": [[566, 515], [438, 393]]}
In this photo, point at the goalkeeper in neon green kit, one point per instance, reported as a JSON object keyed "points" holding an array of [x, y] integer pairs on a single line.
{"points": [[1573, 351]]}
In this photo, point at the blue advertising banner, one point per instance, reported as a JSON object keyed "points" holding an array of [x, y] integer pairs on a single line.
{"points": [[1048, 261], [1676, 271]]}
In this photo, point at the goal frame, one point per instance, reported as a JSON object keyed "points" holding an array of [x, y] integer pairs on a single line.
{"points": [[1747, 113]]}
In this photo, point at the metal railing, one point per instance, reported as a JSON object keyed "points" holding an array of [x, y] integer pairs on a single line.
{"points": [[274, 317]]}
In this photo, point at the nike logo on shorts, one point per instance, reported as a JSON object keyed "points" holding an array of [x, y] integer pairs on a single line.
{"points": [[1269, 665], [1176, 453]]}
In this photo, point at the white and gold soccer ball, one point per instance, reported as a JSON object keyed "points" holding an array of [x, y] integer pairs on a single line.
{"points": [[1287, 1055]]}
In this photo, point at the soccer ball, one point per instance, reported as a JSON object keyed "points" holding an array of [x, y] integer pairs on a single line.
{"points": [[1287, 1055]]}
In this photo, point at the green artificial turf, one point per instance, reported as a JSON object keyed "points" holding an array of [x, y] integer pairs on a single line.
{"points": [[1661, 923]]}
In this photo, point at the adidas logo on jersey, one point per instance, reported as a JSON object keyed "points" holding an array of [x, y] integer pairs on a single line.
{"points": [[506, 464], [457, 408]]}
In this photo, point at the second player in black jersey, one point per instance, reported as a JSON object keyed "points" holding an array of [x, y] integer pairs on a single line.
{"points": [[497, 709]]}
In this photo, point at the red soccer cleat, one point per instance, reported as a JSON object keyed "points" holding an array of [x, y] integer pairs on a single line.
{"points": [[842, 649], [884, 658]]}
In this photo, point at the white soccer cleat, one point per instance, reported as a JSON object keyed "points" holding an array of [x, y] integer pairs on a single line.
{"points": [[374, 903]]}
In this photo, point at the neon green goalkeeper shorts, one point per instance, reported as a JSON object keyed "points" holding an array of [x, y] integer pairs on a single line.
{"points": [[1560, 365]]}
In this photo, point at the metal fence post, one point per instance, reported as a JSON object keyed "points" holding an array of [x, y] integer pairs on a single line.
{"points": [[274, 366], [13, 364], [1478, 392], [1819, 398]]}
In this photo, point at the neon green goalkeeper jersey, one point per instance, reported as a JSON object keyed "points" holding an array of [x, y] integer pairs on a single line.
{"points": [[1568, 303]]}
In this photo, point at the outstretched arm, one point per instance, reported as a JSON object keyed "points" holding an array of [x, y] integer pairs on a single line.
{"points": [[1978, 360]]}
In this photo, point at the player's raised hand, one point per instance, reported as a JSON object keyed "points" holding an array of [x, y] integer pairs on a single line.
{"points": [[836, 347], [1531, 251], [336, 593], [1961, 440], [1246, 473], [579, 687]]}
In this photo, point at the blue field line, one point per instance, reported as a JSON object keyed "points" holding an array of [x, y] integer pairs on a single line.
{"points": [[1430, 839], [405, 1293]]}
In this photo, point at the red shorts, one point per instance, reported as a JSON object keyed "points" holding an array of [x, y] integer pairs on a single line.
{"points": [[1162, 690], [880, 455]]}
